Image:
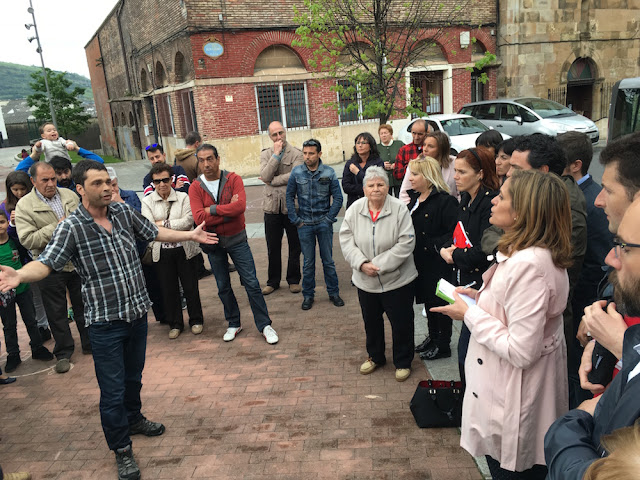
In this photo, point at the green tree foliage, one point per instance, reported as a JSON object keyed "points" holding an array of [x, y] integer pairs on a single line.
{"points": [[14, 81], [368, 46], [67, 102]]}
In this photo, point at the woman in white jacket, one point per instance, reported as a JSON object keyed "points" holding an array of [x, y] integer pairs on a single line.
{"points": [[377, 239], [174, 261]]}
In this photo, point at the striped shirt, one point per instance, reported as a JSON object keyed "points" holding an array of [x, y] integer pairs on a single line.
{"points": [[113, 286]]}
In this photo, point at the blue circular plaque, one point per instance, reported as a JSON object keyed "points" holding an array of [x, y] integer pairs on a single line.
{"points": [[213, 49]]}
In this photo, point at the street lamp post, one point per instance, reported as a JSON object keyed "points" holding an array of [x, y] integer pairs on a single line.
{"points": [[44, 70]]}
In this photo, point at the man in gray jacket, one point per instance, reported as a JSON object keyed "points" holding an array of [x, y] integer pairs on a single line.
{"points": [[276, 164]]}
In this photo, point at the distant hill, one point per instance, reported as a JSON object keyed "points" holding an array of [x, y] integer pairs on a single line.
{"points": [[15, 79]]}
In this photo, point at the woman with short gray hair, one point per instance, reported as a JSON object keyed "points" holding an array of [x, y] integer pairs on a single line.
{"points": [[383, 270]]}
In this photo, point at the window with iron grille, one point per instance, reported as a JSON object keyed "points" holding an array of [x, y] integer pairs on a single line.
{"points": [[282, 102], [350, 104], [165, 115]]}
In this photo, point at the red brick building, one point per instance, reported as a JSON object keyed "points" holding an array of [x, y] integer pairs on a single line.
{"points": [[162, 69]]}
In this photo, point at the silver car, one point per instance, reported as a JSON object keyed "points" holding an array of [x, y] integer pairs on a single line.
{"points": [[523, 116]]}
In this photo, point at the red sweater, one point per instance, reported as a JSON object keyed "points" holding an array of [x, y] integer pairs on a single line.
{"points": [[229, 217]]}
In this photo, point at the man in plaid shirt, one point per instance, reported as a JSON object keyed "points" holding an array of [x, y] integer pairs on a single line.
{"points": [[99, 239], [411, 150]]}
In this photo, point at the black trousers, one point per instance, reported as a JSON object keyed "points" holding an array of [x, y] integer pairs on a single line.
{"points": [[275, 224], [440, 325], [398, 305], [174, 266], [154, 288], [54, 298], [537, 472]]}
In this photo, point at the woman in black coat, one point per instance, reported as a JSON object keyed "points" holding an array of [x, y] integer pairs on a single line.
{"points": [[434, 213], [477, 182], [365, 154]]}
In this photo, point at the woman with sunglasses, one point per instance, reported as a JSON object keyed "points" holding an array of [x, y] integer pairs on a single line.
{"points": [[477, 182], [174, 261], [365, 155]]}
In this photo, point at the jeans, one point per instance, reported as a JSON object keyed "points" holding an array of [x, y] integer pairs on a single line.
{"points": [[41, 315], [398, 305], [243, 260], [118, 355], [174, 266], [308, 234], [275, 224], [9, 321], [53, 289]]}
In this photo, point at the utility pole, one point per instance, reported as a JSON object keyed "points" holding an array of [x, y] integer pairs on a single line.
{"points": [[44, 70]]}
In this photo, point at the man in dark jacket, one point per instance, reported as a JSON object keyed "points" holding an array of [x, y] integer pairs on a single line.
{"points": [[574, 441]]}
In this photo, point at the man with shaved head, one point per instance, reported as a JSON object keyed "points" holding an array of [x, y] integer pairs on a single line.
{"points": [[276, 164], [410, 151]]}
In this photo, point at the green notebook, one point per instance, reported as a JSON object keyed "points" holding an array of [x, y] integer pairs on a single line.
{"points": [[445, 290]]}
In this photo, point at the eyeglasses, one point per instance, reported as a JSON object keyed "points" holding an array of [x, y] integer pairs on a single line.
{"points": [[158, 181], [311, 143], [150, 147], [619, 246]]}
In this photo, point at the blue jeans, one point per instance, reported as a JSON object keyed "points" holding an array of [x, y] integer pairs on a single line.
{"points": [[243, 260], [118, 355], [324, 233]]}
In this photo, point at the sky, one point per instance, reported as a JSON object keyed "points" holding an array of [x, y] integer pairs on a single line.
{"points": [[64, 28]]}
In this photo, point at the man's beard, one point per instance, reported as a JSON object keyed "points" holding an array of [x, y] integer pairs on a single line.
{"points": [[627, 297], [64, 182]]}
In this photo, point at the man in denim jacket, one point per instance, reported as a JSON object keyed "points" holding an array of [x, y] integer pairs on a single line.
{"points": [[314, 183]]}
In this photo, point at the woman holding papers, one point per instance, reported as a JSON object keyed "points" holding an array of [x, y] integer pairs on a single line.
{"points": [[434, 214], [477, 182], [516, 366], [377, 239]]}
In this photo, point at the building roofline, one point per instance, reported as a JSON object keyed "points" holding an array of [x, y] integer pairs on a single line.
{"points": [[109, 15]]}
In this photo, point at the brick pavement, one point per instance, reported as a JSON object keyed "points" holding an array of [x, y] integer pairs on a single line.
{"points": [[239, 410]]}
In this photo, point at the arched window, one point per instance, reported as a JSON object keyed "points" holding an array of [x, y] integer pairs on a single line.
{"points": [[161, 77], [181, 68], [143, 81], [123, 120], [277, 57], [131, 119]]}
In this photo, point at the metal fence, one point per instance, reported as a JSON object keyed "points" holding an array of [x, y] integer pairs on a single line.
{"points": [[558, 94]]}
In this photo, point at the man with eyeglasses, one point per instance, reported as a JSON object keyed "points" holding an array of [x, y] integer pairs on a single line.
{"points": [[276, 164], [314, 185], [573, 442], [179, 180], [620, 187]]}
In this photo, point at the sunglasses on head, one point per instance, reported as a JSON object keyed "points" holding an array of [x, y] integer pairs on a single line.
{"points": [[158, 181], [311, 143], [152, 146]]}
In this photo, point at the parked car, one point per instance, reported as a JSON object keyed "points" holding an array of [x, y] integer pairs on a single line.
{"points": [[462, 130], [523, 116]]}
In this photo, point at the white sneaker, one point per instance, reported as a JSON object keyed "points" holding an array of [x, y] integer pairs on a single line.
{"points": [[424, 312], [231, 333], [270, 335]]}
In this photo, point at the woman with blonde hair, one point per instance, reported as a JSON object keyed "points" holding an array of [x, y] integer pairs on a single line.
{"points": [[436, 145], [516, 363], [623, 461], [434, 214]]}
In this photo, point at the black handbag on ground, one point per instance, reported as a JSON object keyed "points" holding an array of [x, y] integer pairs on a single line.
{"points": [[437, 404]]}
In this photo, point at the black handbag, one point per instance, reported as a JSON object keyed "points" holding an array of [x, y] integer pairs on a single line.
{"points": [[437, 404]]}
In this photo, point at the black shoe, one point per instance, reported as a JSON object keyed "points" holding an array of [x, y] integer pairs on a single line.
{"points": [[41, 353], [87, 351], [435, 352], [45, 333], [337, 301], [232, 267], [146, 428], [204, 274], [13, 361], [307, 303], [424, 346], [127, 466], [7, 381]]}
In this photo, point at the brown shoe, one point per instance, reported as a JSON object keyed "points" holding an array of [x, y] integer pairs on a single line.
{"points": [[295, 288], [268, 290]]}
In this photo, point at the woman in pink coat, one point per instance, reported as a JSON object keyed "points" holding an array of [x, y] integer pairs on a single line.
{"points": [[516, 364]]}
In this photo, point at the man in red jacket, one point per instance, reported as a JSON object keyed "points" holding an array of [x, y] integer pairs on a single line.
{"points": [[218, 198]]}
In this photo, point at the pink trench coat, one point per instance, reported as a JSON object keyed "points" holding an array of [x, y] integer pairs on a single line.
{"points": [[516, 366]]}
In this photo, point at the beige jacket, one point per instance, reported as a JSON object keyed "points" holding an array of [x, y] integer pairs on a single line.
{"points": [[155, 208], [36, 222], [275, 174], [186, 158], [388, 244]]}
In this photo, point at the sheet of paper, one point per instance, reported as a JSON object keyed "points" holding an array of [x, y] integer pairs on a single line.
{"points": [[445, 291]]}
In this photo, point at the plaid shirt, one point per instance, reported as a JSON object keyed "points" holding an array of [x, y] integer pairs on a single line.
{"points": [[405, 155], [113, 286], [54, 202]]}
